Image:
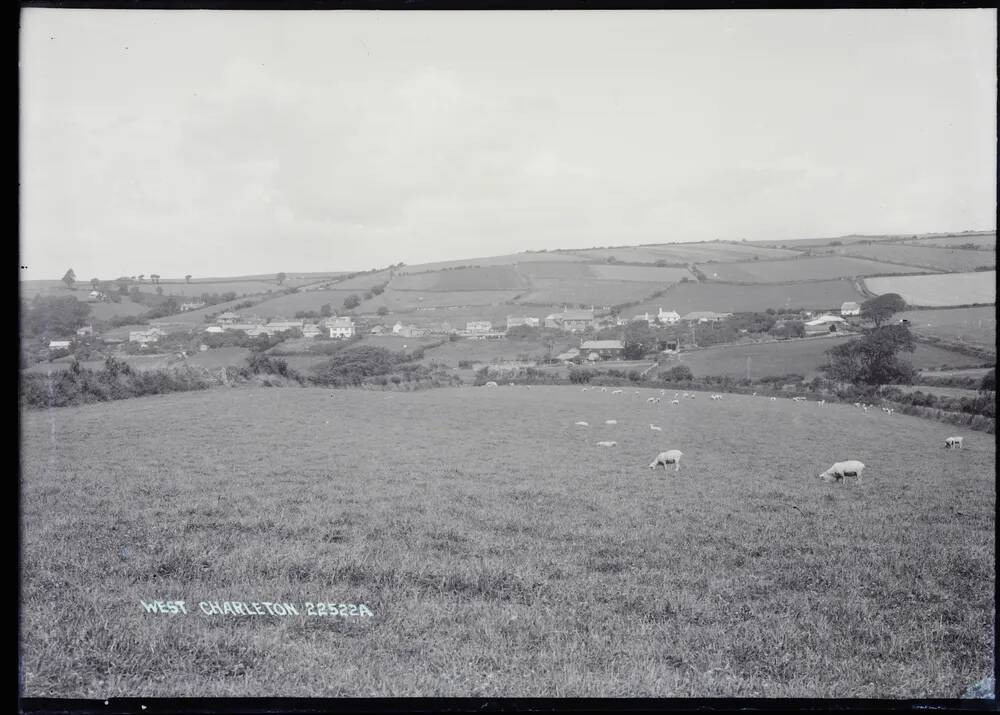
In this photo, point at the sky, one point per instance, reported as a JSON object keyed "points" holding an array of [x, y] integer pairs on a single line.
{"points": [[218, 143]]}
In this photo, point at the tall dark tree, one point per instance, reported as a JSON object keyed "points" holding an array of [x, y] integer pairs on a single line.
{"points": [[989, 381], [280, 278], [881, 309], [155, 277], [187, 278], [873, 359], [638, 340], [351, 302], [94, 283], [69, 279]]}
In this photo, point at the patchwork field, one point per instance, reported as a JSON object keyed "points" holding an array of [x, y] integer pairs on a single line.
{"points": [[491, 350], [686, 252], [462, 279], [986, 241], [506, 260], [800, 357], [408, 300], [725, 297], [506, 555], [974, 326], [588, 292], [939, 290], [801, 269], [286, 306], [938, 258]]}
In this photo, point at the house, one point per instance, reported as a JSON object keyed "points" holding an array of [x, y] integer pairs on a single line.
{"points": [[280, 326], [474, 327], [59, 344], [850, 308], [193, 305], [377, 330], [528, 321], [705, 316], [824, 324], [571, 320], [644, 316], [340, 327], [95, 296], [144, 337], [85, 331], [668, 317], [411, 331], [310, 330], [214, 329], [227, 318], [605, 349]]}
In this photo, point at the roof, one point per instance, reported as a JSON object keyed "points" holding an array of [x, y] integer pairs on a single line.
{"points": [[699, 314], [228, 314], [576, 315], [850, 305], [602, 345], [823, 319]]}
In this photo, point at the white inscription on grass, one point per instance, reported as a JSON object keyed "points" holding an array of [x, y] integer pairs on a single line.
{"points": [[258, 608]]}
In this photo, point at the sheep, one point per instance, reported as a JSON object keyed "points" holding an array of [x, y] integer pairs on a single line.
{"points": [[716, 397], [490, 384], [653, 399], [753, 395], [799, 399], [582, 424], [685, 395], [511, 384], [584, 389], [617, 392], [953, 443], [610, 422], [671, 456], [660, 429], [774, 399], [850, 468], [606, 444], [821, 403], [675, 402], [604, 389]]}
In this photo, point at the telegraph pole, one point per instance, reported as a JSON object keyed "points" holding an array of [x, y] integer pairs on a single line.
{"points": [[748, 368]]}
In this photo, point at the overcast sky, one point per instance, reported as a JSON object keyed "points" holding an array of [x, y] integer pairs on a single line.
{"points": [[225, 143]]}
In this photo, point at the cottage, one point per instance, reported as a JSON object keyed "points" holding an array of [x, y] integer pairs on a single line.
{"points": [[340, 327], [569, 355], [645, 316], [668, 317], [604, 349], [528, 321], [214, 329], [824, 324], [411, 331], [478, 326], [144, 337], [310, 330], [571, 320], [850, 308], [705, 316], [59, 344], [397, 328], [227, 318], [280, 326], [377, 330], [85, 331]]}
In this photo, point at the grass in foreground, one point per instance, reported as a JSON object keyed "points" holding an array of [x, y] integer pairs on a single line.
{"points": [[501, 551]]}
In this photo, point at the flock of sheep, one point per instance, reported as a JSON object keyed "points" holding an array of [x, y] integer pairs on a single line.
{"points": [[835, 473]]}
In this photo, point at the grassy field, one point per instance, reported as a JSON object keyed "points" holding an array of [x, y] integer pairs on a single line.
{"points": [[463, 279], [939, 290], [939, 391], [725, 297], [407, 300], [801, 357], [801, 269], [975, 372], [649, 274], [589, 291], [505, 260], [686, 253], [985, 241], [973, 326], [501, 552], [489, 350], [939, 258]]}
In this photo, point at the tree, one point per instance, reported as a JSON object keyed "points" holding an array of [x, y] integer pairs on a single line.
{"points": [[155, 277], [638, 340], [94, 283], [141, 276], [280, 278], [122, 285], [159, 290], [69, 279], [382, 311], [989, 381], [872, 359], [325, 310], [678, 373], [881, 309], [187, 278], [351, 302]]}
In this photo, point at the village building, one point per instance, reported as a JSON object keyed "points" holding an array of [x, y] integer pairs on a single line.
{"points": [[410, 331], [144, 337], [824, 324], [668, 317], [570, 354], [518, 321], [310, 330], [227, 318], [340, 327], [850, 308], [85, 331], [193, 305], [474, 327], [280, 326], [604, 349], [59, 344], [571, 320], [377, 330], [705, 316]]}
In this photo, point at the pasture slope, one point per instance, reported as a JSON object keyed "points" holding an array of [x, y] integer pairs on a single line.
{"points": [[500, 550], [939, 290]]}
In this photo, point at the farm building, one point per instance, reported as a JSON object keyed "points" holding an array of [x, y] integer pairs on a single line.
{"points": [[850, 308], [214, 329], [474, 327], [668, 317], [193, 305], [340, 327], [378, 330], [570, 354], [645, 316], [705, 316], [59, 344], [526, 320], [605, 349], [144, 337], [310, 330], [280, 326], [824, 324], [85, 331], [409, 331], [571, 320], [227, 318]]}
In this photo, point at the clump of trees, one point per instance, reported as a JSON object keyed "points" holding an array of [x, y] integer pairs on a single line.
{"points": [[54, 316], [881, 309], [873, 360]]}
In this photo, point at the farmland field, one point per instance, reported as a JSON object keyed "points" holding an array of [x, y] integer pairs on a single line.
{"points": [[489, 350], [724, 297], [939, 290], [986, 241], [556, 269], [462, 279], [939, 391], [686, 252], [974, 326], [286, 306], [653, 274], [802, 357], [801, 269], [940, 258], [588, 292], [405, 300], [507, 260], [107, 311], [505, 554]]}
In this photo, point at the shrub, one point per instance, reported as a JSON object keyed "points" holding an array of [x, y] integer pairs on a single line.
{"points": [[578, 377]]}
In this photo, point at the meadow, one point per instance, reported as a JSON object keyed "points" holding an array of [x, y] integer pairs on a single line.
{"points": [[500, 551], [973, 326], [935, 257], [726, 297], [462, 279], [407, 300], [588, 291], [799, 357], [505, 260], [985, 241], [801, 269], [686, 252], [939, 290]]}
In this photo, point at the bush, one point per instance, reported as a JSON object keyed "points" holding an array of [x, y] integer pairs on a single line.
{"points": [[579, 377]]}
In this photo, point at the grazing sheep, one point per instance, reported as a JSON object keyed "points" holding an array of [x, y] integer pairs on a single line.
{"points": [[821, 403], [617, 392], [753, 395], [663, 392], [490, 384], [799, 399], [691, 396], [953, 443], [660, 429], [774, 399], [850, 468], [671, 456], [610, 422], [685, 395], [716, 397], [583, 389], [606, 444], [582, 424], [604, 389], [653, 399], [675, 402]]}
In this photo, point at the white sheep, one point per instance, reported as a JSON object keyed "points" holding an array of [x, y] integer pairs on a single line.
{"points": [[606, 444], [610, 422], [660, 429], [490, 384], [617, 392], [716, 397], [850, 468], [604, 389], [821, 403], [653, 399], [582, 424], [584, 389], [753, 395], [671, 456], [799, 399], [675, 402], [953, 443]]}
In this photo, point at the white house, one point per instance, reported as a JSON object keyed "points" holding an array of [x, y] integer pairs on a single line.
{"points": [[668, 316], [85, 331], [144, 337], [193, 305], [644, 316], [850, 308], [824, 324], [310, 330], [59, 344], [478, 326], [227, 317], [516, 321], [603, 348], [214, 329], [705, 316], [397, 328], [340, 327]]}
